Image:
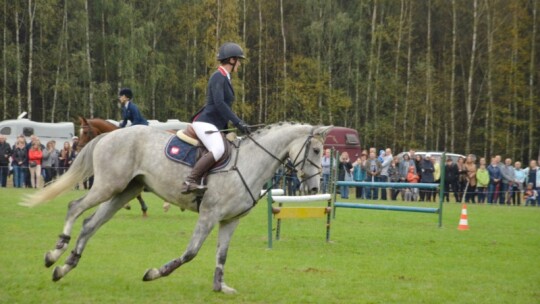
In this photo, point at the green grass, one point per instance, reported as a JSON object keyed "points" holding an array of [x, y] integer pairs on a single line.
{"points": [[374, 257]]}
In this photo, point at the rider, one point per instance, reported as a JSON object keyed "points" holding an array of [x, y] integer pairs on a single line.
{"points": [[129, 109], [215, 115]]}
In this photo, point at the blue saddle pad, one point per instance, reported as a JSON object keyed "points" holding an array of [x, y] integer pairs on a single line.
{"points": [[182, 152]]}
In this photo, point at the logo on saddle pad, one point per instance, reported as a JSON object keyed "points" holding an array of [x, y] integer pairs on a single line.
{"points": [[175, 150]]}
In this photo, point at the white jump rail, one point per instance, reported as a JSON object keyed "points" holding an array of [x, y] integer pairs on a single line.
{"points": [[273, 192], [301, 199], [297, 212]]}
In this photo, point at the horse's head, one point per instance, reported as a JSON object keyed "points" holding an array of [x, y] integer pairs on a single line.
{"points": [[306, 155], [91, 128], [86, 133]]}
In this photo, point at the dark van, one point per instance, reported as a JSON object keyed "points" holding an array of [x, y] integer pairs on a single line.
{"points": [[344, 140]]}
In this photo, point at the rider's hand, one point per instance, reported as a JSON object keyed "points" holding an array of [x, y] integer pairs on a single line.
{"points": [[243, 127]]}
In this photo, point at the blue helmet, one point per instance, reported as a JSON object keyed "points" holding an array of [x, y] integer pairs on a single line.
{"points": [[127, 92]]}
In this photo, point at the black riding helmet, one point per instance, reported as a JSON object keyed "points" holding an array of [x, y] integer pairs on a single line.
{"points": [[127, 92], [230, 50]]}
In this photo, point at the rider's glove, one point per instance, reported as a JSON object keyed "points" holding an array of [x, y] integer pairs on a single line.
{"points": [[243, 127]]}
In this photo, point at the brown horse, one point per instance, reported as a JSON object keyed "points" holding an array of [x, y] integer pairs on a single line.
{"points": [[91, 128]]}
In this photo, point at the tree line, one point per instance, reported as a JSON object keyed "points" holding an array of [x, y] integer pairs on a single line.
{"points": [[455, 75]]}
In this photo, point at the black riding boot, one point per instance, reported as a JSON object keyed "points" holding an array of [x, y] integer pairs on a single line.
{"points": [[194, 180]]}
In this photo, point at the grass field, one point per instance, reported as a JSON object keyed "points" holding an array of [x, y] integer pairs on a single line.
{"points": [[374, 257]]}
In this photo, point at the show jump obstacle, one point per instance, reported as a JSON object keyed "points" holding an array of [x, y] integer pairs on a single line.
{"points": [[438, 210], [281, 212]]}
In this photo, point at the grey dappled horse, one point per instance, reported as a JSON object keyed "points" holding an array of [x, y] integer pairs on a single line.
{"points": [[125, 161]]}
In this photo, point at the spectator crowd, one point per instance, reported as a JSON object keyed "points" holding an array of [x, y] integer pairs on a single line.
{"points": [[32, 164], [469, 179], [466, 179]]}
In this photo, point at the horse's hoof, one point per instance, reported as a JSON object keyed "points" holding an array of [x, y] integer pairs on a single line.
{"points": [[49, 260], [144, 214], [166, 207], [151, 274], [57, 274], [226, 289]]}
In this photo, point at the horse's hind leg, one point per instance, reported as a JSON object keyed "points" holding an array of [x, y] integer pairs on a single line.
{"points": [[226, 230], [204, 226], [144, 208], [104, 213], [75, 209]]}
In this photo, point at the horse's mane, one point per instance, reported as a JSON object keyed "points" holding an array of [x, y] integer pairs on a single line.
{"points": [[101, 120], [98, 122], [277, 125]]}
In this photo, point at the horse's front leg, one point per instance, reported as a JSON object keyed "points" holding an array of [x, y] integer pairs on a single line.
{"points": [[226, 230], [204, 226]]}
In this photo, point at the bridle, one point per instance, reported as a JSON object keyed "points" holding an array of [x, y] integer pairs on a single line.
{"points": [[91, 134], [306, 146], [290, 166]]}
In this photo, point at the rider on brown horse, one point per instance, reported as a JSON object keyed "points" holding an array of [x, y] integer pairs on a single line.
{"points": [[129, 110]]}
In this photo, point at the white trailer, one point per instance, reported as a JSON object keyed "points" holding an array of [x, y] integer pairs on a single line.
{"points": [[62, 131], [59, 132]]}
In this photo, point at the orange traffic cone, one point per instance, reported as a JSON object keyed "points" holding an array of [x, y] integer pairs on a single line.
{"points": [[463, 223]]}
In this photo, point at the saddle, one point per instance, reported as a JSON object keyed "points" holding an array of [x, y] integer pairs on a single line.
{"points": [[186, 148]]}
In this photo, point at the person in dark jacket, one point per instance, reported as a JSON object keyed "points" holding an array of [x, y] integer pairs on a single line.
{"points": [[130, 111], [418, 164], [5, 154], [427, 169], [462, 177], [451, 175], [344, 173], [19, 161], [394, 177], [373, 168], [495, 177], [291, 179], [65, 158], [215, 115]]}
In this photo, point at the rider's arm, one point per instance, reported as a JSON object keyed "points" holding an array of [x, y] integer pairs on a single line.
{"points": [[218, 86]]}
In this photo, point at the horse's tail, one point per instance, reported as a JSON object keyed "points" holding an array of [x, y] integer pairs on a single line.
{"points": [[81, 169]]}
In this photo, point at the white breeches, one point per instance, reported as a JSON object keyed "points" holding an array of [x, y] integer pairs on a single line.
{"points": [[212, 141]]}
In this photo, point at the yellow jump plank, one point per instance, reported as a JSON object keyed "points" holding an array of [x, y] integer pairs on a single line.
{"points": [[301, 212]]}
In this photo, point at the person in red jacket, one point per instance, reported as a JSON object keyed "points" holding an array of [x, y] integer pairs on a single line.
{"points": [[412, 193], [35, 155]]}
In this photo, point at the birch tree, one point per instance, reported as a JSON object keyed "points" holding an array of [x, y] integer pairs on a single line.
{"points": [[371, 61], [31, 16], [469, 97], [89, 62], [284, 39], [453, 79], [409, 73], [259, 65], [532, 71], [428, 76], [397, 95], [4, 63], [62, 43]]}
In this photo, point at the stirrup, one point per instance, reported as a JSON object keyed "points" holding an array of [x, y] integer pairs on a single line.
{"points": [[189, 187]]}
